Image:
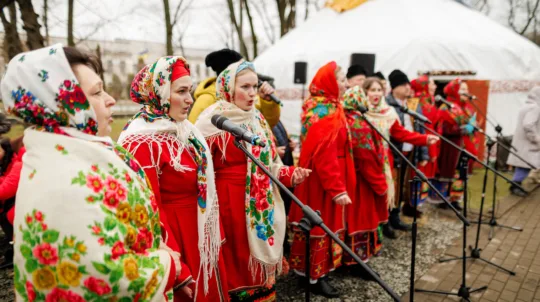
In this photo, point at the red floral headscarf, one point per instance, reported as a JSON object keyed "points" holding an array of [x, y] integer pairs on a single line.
{"points": [[452, 90], [420, 87]]}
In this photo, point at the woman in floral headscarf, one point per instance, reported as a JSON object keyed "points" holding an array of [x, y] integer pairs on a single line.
{"points": [[455, 124], [251, 208], [75, 240], [326, 149], [370, 206], [387, 121], [177, 161]]}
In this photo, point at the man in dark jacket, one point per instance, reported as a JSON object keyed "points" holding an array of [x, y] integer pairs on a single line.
{"points": [[401, 88]]}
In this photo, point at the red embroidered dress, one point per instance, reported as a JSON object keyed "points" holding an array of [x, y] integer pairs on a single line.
{"points": [[251, 208], [327, 151]]}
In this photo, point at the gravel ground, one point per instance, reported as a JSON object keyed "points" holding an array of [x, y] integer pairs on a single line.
{"points": [[436, 233]]}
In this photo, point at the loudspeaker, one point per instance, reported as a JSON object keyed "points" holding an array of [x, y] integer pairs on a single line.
{"points": [[366, 60], [300, 72]]}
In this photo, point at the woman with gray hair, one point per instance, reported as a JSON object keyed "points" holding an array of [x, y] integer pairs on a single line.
{"points": [[526, 140]]}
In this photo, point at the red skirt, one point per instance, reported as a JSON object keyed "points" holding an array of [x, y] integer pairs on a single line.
{"points": [[182, 218], [230, 185]]}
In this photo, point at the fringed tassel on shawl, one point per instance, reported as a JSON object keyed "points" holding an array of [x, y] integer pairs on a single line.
{"points": [[267, 272], [223, 139], [209, 254], [174, 145]]}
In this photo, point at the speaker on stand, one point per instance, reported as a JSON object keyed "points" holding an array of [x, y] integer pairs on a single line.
{"points": [[366, 60], [300, 75]]}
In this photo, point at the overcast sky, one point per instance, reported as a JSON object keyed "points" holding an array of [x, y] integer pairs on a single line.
{"points": [[206, 22]]}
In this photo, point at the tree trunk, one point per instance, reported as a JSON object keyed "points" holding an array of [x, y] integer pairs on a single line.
{"points": [[287, 21], [291, 19], [234, 21], [253, 33], [12, 41], [46, 21], [71, 40], [307, 10], [282, 6], [34, 39], [101, 74], [168, 27]]}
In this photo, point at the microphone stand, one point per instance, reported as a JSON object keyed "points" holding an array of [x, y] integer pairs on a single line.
{"points": [[475, 252], [422, 178], [493, 220], [500, 138], [312, 219]]}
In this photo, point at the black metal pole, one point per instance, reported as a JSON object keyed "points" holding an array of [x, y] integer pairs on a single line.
{"points": [[415, 183], [316, 220]]}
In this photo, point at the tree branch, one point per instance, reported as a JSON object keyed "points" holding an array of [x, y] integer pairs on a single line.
{"points": [[253, 33], [530, 16]]}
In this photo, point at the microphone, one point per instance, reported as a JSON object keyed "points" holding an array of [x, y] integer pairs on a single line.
{"points": [[362, 109], [414, 114], [470, 96], [224, 124], [271, 96], [440, 99]]}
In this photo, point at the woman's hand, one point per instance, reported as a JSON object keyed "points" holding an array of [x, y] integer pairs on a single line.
{"points": [[432, 139], [281, 151], [299, 175], [343, 200], [265, 90]]}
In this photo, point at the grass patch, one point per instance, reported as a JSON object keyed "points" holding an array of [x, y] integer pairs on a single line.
{"points": [[476, 182]]}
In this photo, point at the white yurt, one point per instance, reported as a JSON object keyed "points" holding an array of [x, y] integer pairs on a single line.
{"points": [[411, 35]]}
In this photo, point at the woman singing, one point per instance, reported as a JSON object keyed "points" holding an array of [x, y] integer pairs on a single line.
{"points": [[251, 208], [327, 151], [177, 161]]}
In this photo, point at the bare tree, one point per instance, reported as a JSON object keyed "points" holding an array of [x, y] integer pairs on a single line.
{"points": [[262, 12], [12, 41], [70, 39], [254, 38], [170, 23], [34, 39], [235, 22], [287, 15], [46, 21], [531, 8]]}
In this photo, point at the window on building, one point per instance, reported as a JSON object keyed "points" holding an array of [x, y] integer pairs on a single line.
{"points": [[110, 66]]}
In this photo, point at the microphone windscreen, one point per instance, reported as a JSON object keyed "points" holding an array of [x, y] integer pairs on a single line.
{"points": [[215, 119]]}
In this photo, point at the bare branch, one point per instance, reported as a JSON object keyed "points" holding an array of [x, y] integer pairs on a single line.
{"points": [[531, 15], [269, 28], [253, 33]]}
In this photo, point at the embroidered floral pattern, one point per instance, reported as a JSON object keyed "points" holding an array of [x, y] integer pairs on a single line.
{"points": [[44, 75], [198, 152], [61, 149], [259, 196], [51, 263]]}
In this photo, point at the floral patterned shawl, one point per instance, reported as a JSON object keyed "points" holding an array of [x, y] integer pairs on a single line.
{"points": [[265, 210], [361, 134], [86, 226], [152, 125], [324, 97]]}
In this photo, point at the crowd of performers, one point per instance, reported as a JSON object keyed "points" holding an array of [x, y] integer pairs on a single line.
{"points": [[174, 210]]}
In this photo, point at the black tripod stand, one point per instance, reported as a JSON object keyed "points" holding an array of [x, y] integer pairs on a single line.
{"points": [[312, 219], [464, 291], [475, 252], [422, 178]]}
